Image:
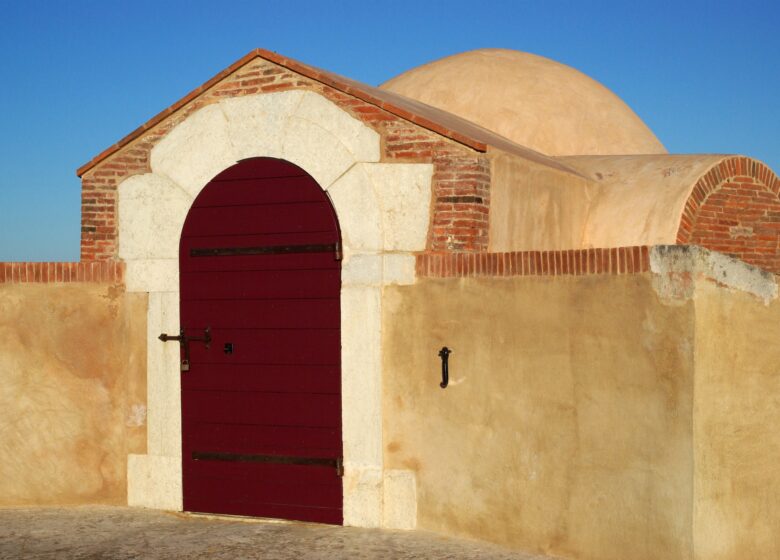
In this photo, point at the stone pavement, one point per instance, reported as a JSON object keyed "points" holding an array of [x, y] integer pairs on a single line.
{"points": [[99, 532]]}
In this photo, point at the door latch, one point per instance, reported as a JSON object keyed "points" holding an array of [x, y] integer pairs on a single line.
{"points": [[184, 342]]}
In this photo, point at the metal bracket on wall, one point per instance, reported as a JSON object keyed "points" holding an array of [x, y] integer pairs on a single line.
{"points": [[444, 354]]}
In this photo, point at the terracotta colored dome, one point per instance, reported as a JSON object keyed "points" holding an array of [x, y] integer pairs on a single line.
{"points": [[534, 101]]}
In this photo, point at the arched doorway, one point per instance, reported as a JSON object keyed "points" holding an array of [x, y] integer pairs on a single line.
{"points": [[260, 278]]}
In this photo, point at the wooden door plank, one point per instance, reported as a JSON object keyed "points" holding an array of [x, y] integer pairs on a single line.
{"points": [[277, 378]]}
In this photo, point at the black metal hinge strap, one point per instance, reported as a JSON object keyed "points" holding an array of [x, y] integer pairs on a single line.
{"points": [[267, 250], [336, 463]]}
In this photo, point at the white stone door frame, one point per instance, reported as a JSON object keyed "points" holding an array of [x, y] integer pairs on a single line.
{"points": [[383, 211]]}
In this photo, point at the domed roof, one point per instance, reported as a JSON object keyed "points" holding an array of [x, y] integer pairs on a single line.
{"points": [[531, 100]]}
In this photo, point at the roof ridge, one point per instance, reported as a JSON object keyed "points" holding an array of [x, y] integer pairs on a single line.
{"points": [[462, 131]]}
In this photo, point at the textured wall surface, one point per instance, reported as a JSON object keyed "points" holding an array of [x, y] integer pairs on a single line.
{"points": [[737, 412], [593, 417], [73, 398], [535, 207], [566, 427]]}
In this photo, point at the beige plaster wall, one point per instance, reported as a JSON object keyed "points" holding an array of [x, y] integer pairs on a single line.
{"points": [[535, 206], [737, 414], [567, 424], [72, 392]]}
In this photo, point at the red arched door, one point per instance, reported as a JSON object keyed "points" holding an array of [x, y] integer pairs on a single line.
{"points": [[261, 400]]}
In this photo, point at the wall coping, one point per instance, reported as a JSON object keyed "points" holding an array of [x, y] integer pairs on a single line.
{"points": [[680, 265], [105, 272]]}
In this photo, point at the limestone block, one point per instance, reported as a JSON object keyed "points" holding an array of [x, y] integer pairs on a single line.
{"points": [[399, 491], [152, 210], [169, 302], [316, 150], [256, 123], [196, 150], [154, 482], [155, 367], [362, 270], [361, 375], [302, 127], [372, 269], [398, 268], [358, 211], [163, 377], [362, 496], [153, 275], [404, 194], [359, 139]]}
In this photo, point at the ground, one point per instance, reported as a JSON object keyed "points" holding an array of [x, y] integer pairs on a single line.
{"points": [[92, 532]]}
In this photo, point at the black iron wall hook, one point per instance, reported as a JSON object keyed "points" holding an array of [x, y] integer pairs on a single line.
{"points": [[444, 354]]}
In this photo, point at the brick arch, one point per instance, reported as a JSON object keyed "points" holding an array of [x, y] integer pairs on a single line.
{"points": [[734, 209]]}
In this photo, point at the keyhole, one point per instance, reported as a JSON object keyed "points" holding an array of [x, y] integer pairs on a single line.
{"points": [[228, 348]]}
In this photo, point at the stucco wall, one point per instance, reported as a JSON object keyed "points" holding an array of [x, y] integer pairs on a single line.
{"points": [[73, 392], [637, 200], [737, 414], [534, 206], [567, 424]]}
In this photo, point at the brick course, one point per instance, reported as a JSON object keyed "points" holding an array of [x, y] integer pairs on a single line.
{"points": [[575, 262], [111, 272]]}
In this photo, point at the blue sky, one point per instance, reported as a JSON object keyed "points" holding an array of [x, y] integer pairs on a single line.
{"points": [[79, 75]]}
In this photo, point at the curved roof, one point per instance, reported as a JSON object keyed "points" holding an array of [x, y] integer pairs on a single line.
{"points": [[531, 100], [639, 200]]}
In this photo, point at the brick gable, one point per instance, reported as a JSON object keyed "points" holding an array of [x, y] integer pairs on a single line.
{"points": [[461, 174]]}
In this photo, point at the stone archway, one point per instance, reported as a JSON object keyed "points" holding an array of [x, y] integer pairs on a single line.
{"points": [[383, 210]]}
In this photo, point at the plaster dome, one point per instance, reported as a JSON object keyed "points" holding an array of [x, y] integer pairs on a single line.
{"points": [[531, 100]]}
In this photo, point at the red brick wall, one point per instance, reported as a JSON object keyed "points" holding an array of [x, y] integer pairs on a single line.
{"points": [[461, 175], [461, 186], [735, 209]]}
